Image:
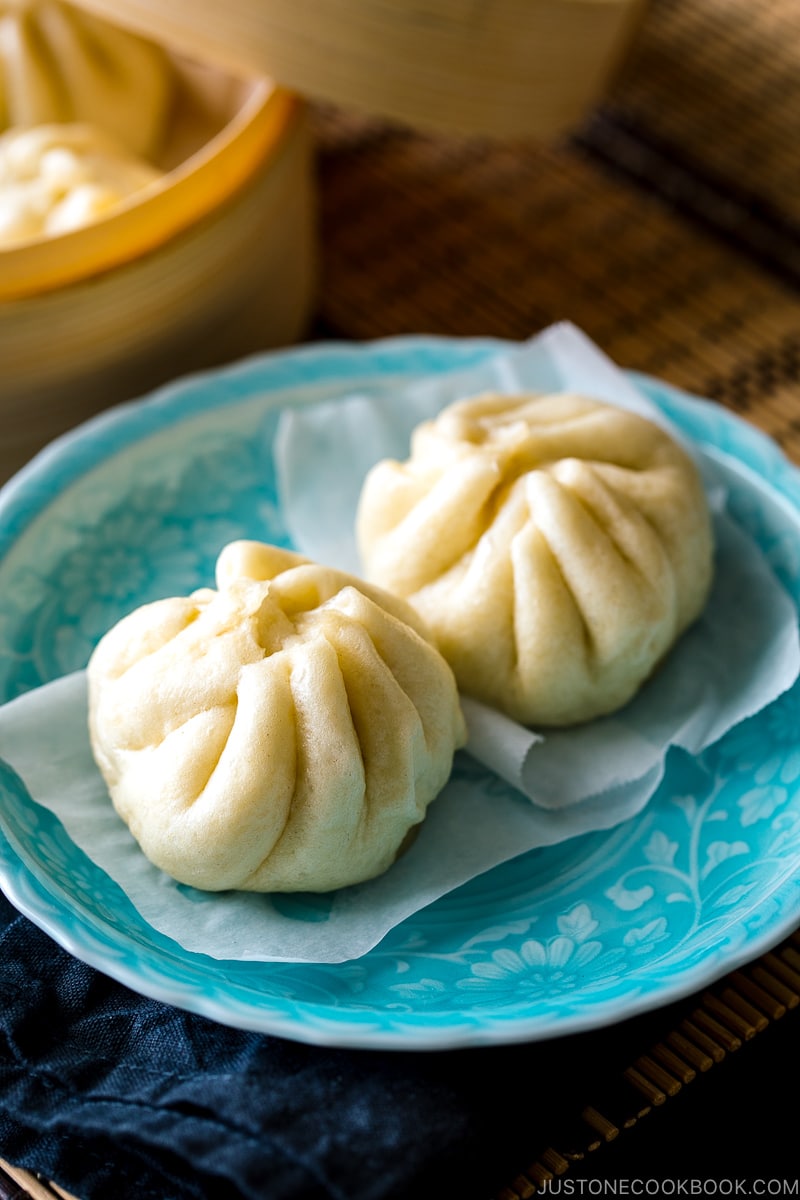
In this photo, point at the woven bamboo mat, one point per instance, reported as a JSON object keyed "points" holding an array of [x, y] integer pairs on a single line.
{"points": [[673, 270], [668, 228], [713, 90]]}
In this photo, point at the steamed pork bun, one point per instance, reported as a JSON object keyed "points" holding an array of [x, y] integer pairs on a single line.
{"points": [[60, 64], [57, 178], [555, 546], [285, 732]]}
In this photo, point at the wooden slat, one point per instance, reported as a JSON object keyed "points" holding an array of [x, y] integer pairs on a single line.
{"points": [[673, 1062], [721, 1034], [770, 1005], [774, 986], [32, 1187], [602, 1125]]}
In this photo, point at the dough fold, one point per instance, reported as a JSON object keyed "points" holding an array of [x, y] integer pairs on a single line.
{"points": [[61, 64], [285, 731], [555, 546]]}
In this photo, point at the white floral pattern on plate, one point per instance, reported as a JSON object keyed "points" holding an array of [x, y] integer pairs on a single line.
{"points": [[136, 505]]}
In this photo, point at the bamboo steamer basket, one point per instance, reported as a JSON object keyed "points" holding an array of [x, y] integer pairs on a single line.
{"points": [[503, 68], [219, 258], [215, 260]]}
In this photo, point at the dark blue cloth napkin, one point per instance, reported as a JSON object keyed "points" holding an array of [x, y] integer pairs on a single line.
{"points": [[114, 1095]]}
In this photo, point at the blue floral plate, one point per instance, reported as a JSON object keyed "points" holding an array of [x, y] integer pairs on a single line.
{"points": [[136, 504]]}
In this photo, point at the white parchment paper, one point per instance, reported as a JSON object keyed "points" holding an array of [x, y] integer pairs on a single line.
{"points": [[703, 688], [568, 783]]}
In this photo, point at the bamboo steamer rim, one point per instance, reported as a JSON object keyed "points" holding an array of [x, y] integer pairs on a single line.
{"points": [[171, 204], [498, 68]]}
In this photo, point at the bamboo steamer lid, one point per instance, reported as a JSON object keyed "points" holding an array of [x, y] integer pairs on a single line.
{"points": [[505, 68]]}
